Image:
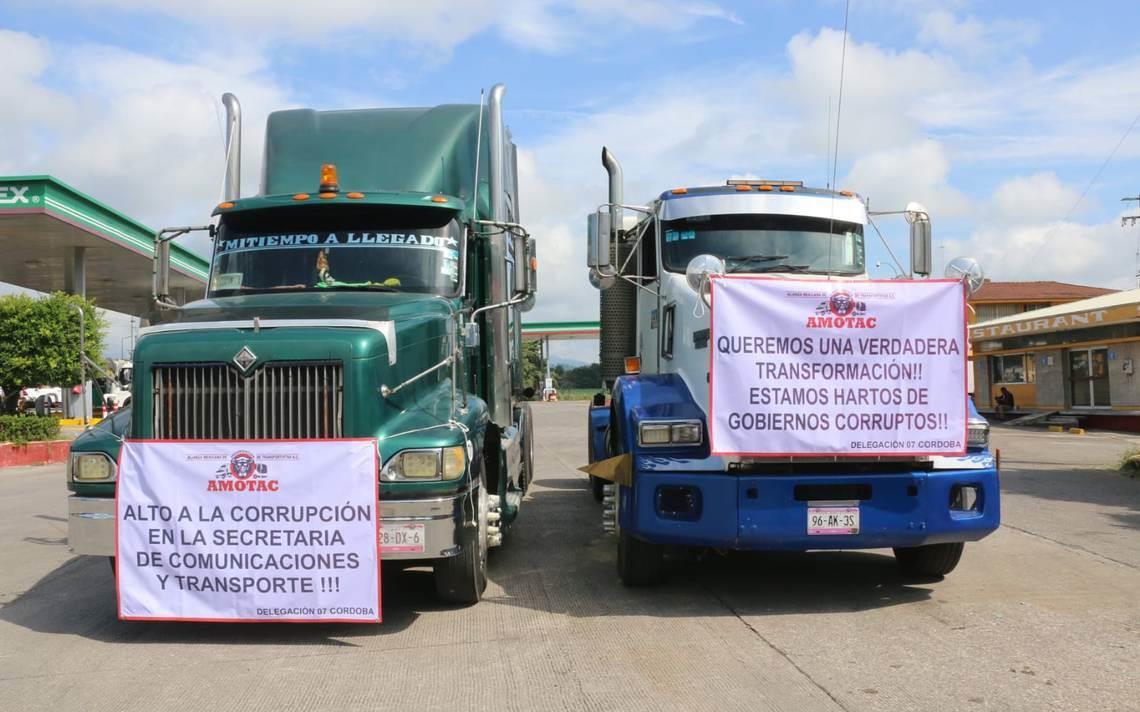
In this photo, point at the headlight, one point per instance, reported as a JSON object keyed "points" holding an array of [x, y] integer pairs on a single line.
{"points": [[92, 467], [669, 432], [978, 435], [448, 463]]}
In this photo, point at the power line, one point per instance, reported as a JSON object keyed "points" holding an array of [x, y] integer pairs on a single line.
{"points": [[839, 103], [838, 116], [1049, 235]]}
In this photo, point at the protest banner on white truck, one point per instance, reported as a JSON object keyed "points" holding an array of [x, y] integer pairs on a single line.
{"points": [[283, 531], [864, 368]]}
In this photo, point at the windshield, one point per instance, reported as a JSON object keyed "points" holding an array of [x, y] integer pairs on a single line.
{"points": [[335, 247], [765, 243]]}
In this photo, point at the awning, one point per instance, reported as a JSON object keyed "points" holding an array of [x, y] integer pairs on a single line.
{"points": [[49, 232]]}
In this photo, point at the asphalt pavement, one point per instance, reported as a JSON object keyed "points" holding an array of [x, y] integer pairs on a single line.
{"points": [[1043, 615]]}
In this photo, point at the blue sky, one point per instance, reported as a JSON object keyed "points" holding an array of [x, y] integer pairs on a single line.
{"points": [[995, 115]]}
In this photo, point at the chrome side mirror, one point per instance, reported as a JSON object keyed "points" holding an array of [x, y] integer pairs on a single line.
{"points": [[522, 264], [920, 238], [599, 230], [471, 335]]}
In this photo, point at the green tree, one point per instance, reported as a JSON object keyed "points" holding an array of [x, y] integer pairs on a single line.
{"points": [[39, 341], [533, 368], [589, 376]]}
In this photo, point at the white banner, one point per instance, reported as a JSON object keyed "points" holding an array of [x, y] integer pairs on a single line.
{"points": [[248, 531], [861, 368]]}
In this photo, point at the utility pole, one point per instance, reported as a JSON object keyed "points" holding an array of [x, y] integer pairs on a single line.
{"points": [[1130, 221]]}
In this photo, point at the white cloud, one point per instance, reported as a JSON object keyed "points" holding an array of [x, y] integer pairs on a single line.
{"points": [[1033, 198], [1025, 232], [974, 37], [141, 133], [432, 26], [144, 133]]}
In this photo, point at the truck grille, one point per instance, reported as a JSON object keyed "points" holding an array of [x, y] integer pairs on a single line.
{"points": [[303, 400]]}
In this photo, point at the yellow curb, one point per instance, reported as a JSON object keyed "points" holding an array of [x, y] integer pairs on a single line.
{"points": [[78, 421], [1056, 429], [1076, 431]]}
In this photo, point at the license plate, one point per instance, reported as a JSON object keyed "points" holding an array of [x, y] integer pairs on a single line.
{"points": [[402, 538], [832, 520]]}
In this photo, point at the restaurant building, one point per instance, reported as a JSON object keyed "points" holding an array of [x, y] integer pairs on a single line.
{"points": [[1079, 356]]}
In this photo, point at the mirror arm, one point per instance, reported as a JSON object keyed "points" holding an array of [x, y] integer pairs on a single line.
{"points": [[161, 270]]}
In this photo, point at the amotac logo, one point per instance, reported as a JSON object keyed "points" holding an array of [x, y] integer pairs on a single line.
{"points": [[243, 473], [841, 311]]}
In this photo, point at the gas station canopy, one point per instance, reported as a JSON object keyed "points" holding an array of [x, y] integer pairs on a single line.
{"points": [[560, 330], [55, 238]]}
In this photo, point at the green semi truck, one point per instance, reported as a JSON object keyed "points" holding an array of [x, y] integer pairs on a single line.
{"points": [[373, 288]]}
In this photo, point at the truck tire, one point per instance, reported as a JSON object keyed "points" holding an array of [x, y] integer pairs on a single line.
{"points": [[462, 578], [527, 474], [930, 560], [597, 488], [639, 563]]}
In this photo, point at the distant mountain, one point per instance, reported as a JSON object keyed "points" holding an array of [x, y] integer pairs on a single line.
{"points": [[567, 362]]}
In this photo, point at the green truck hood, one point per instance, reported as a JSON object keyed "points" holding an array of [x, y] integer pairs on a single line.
{"points": [[215, 330]]}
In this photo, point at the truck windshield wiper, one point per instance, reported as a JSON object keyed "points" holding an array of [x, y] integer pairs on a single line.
{"points": [[373, 287], [783, 268], [745, 260]]}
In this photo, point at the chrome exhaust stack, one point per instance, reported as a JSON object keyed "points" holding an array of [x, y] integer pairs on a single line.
{"points": [[232, 186], [617, 197]]}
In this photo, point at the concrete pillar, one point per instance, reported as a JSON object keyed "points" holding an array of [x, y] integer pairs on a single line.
{"points": [[76, 405], [75, 272]]}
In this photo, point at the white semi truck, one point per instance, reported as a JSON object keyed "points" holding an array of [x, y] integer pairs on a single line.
{"points": [[651, 439]]}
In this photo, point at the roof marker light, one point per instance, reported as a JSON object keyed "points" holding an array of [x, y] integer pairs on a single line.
{"points": [[633, 364], [225, 205], [679, 191], [329, 182], [354, 195], [438, 199], [301, 196], [326, 196], [787, 188], [847, 193], [744, 187], [765, 188]]}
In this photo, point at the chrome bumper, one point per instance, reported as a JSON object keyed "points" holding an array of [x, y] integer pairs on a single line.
{"points": [[442, 517], [91, 524]]}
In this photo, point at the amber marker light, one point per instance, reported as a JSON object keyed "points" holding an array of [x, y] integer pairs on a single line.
{"points": [[679, 191], [743, 187], [326, 196], [847, 193], [354, 196], [633, 364], [438, 199], [301, 196], [329, 182], [765, 188], [787, 189], [225, 206]]}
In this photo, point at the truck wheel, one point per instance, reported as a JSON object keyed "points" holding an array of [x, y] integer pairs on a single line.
{"points": [[527, 475], [639, 563], [930, 560], [597, 487], [462, 578]]}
